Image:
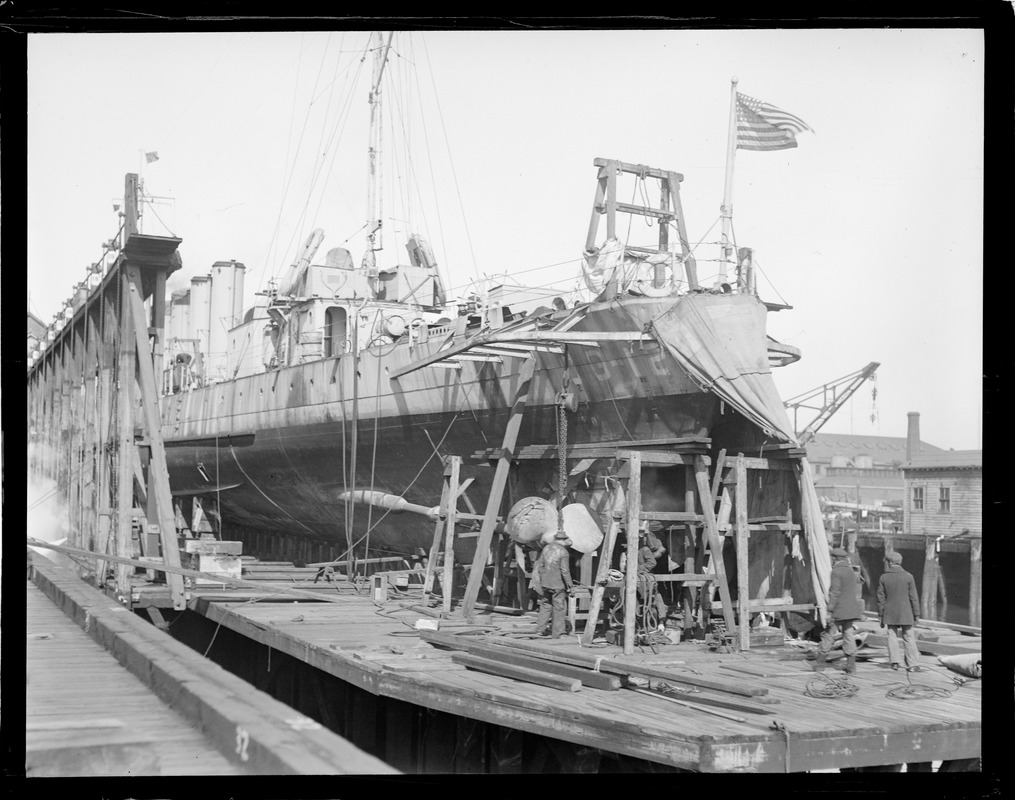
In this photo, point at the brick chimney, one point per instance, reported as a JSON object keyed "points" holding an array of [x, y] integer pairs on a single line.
{"points": [[913, 436]]}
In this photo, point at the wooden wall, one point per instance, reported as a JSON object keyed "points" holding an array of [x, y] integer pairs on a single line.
{"points": [[966, 488]]}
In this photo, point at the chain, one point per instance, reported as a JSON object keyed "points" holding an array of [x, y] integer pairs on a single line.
{"points": [[562, 461], [562, 444]]}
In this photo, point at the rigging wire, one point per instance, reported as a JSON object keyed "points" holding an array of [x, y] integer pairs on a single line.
{"points": [[373, 460], [454, 173]]}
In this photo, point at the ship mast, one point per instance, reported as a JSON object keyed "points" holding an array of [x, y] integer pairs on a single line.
{"points": [[374, 202]]}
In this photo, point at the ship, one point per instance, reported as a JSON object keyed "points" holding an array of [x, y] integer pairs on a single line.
{"points": [[336, 398]]}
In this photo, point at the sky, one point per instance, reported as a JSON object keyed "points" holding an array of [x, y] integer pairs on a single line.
{"points": [[871, 229]]}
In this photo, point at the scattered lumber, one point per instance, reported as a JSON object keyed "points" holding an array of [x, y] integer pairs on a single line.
{"points": [[705, 699], [688, 704], [619, 668], [930, 648], [601, 664], [765, 671], [492, 667], [595, 680]]}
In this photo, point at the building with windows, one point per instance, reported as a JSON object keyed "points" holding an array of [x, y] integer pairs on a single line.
{"points": [[944, 494], [865, 470]]}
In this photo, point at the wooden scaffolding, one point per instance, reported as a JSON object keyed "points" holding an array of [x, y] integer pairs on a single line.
{"points": [[93, 407]]}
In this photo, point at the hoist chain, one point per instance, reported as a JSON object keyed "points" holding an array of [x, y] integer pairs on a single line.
{"points": [[562, 461], [562, 445]]}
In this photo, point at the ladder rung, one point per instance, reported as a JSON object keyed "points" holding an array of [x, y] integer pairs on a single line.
{"points": [[645, 211], [670, 516]]}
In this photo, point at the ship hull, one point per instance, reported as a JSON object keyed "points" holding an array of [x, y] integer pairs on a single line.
{"points": [[275, 450]]}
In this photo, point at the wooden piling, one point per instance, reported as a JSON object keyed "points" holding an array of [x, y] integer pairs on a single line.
{"points": [[743, 570], [928, 590], [631, 572], [975, 546]]}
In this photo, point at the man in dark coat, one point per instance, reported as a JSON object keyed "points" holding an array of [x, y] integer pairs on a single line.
{"points": [[898, 608], [844, 608], [648, 587], [553, 574]]}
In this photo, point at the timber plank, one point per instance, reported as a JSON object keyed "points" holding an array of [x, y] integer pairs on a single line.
{"points": [[329, 637], [518, 673]]}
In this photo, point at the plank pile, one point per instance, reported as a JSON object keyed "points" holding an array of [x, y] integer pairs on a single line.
{"points": [[569, 671]]}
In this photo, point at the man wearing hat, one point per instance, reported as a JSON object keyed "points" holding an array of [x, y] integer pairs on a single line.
{"points": [[844, 608], [648, 587], [553, 573], [898, 608]]}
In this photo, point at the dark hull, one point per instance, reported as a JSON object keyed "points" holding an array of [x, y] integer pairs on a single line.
{"points": [[275, 449], [289, 480]]}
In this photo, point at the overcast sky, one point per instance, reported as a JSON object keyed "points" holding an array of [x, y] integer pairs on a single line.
{"points": [[871, 229]]}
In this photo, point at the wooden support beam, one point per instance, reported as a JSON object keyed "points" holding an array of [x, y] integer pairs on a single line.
{"points": [[687, 595], [975, 590], [497, 487], [720, 464], [715, 544], [125, 399], [928, 594], [631, 571], [603, 569], [158, 471], [743, 565]]}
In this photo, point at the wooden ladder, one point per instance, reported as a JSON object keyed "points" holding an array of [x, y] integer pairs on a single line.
{"points": [[441, 561], [697, 476]]}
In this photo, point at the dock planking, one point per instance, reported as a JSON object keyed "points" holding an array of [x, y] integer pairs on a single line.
{"points": [[252, 729], [87, 715], [351, 637]]}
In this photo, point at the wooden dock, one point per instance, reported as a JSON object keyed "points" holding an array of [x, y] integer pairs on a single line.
{"points": [[109, 694], [891, 718]]}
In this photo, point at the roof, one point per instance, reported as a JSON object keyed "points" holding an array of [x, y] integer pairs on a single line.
{"points": [[36, 327], [951, 459], [880, 448], [893, 480]]}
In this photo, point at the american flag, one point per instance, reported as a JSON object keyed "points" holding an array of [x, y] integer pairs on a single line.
{"points": [[761, 126], [151, 156]]}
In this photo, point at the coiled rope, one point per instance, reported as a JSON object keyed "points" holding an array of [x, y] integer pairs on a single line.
{"points": [[830, 688]]}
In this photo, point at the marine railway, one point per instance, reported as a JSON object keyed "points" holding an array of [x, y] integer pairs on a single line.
{"points": [[426, 665]]}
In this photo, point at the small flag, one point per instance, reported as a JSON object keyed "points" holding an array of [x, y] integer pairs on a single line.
{"points": [[150, 157], [761, 126]]}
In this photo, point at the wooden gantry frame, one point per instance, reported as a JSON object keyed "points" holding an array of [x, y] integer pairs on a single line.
{"points": [[93, 409], [704, 567]]}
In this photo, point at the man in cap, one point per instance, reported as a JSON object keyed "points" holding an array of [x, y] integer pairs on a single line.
{"points": [[648, 587], [898, 608], [553, 573], [844, 608]]}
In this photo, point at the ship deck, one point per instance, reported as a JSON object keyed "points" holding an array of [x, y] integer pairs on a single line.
{"points": [[893, 718]]}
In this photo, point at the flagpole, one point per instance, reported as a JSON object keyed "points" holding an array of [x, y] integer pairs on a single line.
{"points": [[140, 189], [727, 200]]}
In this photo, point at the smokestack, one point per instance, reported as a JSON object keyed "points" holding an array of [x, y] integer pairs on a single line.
{"points": [[913, 436]]}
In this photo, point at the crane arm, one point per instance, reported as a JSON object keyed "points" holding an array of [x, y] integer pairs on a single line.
{"points": [[833, 395]]}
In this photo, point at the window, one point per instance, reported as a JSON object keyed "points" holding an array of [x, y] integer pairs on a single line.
{"points": [[917, 498], [945, 499]]}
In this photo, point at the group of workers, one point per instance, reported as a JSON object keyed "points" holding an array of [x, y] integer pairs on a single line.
{"points": [[897, 599], [898, 610], [552, 582]]}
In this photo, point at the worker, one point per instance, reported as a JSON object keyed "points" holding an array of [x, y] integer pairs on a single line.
{"points": [[647, 584], [898, 608], [552, 574], [844, 608]]}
